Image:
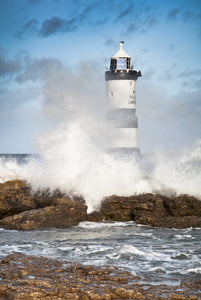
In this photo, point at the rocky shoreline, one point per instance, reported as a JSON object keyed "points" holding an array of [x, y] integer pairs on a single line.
{"points": [[31, 278], [24, 277], [21, 209]]}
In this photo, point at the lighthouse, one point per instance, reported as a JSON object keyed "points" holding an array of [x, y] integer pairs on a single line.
{"points": [[121, 93]]}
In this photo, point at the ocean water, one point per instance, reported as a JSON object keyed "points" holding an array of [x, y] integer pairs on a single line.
{"points": [[162, 255]]}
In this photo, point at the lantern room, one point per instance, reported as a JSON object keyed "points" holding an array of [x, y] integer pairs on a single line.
{"points": [[121, 60]]}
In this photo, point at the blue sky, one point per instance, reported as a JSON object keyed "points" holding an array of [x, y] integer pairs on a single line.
{"points": [[162, 37]]}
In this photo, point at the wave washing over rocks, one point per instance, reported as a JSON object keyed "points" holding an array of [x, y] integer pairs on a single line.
{"points": [[78, 216], [21, 209], [77, 167]]}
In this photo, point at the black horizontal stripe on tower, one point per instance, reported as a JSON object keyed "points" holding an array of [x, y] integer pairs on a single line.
{"points": [[123, 118], [122, 75]]}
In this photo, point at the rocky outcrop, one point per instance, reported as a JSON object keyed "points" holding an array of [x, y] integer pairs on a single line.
{"points": [[28, 277], [68, 213], [16, 196], [23, 210], [154, 210]]}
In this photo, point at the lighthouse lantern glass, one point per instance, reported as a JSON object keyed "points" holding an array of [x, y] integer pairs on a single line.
{"points": [[121, 64]]}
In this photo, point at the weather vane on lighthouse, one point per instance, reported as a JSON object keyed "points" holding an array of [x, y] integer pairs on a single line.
{"points": [[121, 86]]}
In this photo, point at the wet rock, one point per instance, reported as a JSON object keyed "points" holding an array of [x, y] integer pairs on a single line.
{"points": [[22, 209], [67, 213], [154, 210], [14, 198], [94, 217], [29, 277], [17, 196], [183, 206], [133, 207]]}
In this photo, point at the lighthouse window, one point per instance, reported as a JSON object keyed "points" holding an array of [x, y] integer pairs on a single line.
{"points": [[128, 63], [113, 64], [121, 64]]}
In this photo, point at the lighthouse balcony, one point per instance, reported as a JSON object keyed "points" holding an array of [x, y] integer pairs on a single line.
{"points": [[122, 75]]}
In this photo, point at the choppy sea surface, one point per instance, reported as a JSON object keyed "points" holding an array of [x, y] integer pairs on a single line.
{"points": [[164, 255]]}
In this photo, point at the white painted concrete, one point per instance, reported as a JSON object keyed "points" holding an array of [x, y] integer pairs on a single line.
{"points": [[121, 94]]}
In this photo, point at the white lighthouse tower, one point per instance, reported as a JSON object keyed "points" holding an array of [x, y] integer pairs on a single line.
{"points": [[121, 83]]}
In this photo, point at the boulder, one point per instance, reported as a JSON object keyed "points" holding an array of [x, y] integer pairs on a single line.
{"points": [[64, 214]]}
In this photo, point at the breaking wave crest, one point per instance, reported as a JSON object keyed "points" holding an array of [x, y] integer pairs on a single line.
{"points": [[77, 167]]}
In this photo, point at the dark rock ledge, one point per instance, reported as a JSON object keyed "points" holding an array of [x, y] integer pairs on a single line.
{"points": [[32, 278], [20, 209]]}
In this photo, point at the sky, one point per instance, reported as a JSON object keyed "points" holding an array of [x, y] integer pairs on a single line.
{"points": [[39, 38]]}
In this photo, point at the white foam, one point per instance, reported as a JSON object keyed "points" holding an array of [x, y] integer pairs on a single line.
{"points": [[182, 255], [93, 225], [129, 249], [131, 252], [66, 248], [143, 233], [157, 270], [148, 253], [187, 271], [184, 236], [194, 270], [9, 248]]}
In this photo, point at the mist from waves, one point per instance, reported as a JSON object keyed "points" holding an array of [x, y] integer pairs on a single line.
{"points": [[83, 170], [71, 148], [163, 255]]}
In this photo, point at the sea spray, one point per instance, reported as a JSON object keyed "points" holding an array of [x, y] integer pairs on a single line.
{"points": [[82, 169], [181, 172], [73, 153]]}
